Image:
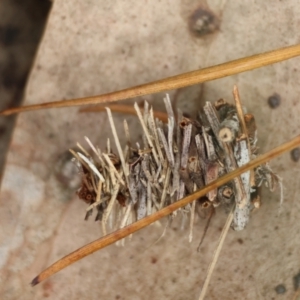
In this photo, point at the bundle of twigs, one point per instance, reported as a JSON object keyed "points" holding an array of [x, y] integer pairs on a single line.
{"points": [[174, 160]]}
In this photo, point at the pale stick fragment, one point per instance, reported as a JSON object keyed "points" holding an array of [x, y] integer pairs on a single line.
{"points": [[176, 175], [101, 159], [241, 116], [78, 158], [216, 254], [83, 150], [110, 170], [103, 227], [92, 147], [168, 105], [111, 203], [211, 167], [166, 186], [155, 174], [211, 174], [180, 193], [145, 169], [178, 129], [240, 113], [158, 171], [240, 192], [230, 125], [210, 148], [149, 202], [153, 129], [156, 204], [146, 111], [142, 204], [113, 170], [127, 133], [145, 118], [145, 130], [185, 145], [213, 120], [242, 209], [132, 188], [171, 123], [201, 149], [126, 215], [97, 152], [186, 179], [91, 165], [192, 217], [242, 153], [120, 152], [165, 146]]}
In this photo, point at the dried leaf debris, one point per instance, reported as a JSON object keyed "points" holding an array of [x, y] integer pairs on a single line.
{"points": [[174, 160]]}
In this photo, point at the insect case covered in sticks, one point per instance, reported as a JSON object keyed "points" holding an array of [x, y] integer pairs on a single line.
{"points": [[172, 161]]}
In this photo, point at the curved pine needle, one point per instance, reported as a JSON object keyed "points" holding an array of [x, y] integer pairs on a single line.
{"points": [[125, 109], [175, 82], [122, 233]]}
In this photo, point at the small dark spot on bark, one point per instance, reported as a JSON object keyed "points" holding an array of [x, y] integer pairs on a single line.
{"points": [[274, 100], [153, 260], [240, 241], [118, 297], [280, 289], [295, 154], [203, 21]]}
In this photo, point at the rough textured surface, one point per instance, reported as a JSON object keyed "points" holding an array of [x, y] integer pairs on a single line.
{"points": [[95, 47]]}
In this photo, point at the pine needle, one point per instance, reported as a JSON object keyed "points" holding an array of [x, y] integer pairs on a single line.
{"points": [[126, 231], [174, 82]]}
